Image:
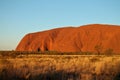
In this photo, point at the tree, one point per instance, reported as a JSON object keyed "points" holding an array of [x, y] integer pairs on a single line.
{"points": [[98, 49]]}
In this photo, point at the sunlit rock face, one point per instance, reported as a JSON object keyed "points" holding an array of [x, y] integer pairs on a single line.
{"points": [[73, 39]]}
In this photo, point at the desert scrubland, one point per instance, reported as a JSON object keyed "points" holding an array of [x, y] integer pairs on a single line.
{"points": [[59, 67]]}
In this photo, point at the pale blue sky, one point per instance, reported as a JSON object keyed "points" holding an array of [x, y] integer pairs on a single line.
{"points": [[19, 17]]}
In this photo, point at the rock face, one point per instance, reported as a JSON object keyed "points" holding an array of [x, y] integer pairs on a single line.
{"points": [[73, 39]]}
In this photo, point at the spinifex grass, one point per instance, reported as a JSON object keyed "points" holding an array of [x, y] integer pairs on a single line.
{"points": [[60, 67]]}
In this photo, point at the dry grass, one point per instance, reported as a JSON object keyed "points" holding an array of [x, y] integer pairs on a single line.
{"points": [[60, 67]]}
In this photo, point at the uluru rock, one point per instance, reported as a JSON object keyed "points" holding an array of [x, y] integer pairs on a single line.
{"points": [[73, 39]]}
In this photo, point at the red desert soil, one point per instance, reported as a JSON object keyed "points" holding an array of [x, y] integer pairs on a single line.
{"points": [[73, 39]]}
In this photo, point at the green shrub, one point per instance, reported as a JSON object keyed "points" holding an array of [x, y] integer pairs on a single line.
{"points": [[109, 51]]}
